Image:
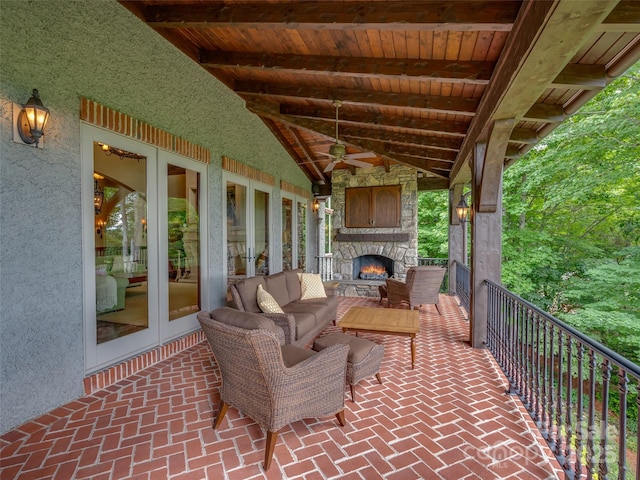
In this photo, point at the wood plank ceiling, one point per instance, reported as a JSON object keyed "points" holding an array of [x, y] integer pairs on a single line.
{"points": [[421, 82]]}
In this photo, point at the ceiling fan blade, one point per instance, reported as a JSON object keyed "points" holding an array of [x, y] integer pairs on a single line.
{"points": [[356, 163], [324, 153], [330, 167], [360, 155]]}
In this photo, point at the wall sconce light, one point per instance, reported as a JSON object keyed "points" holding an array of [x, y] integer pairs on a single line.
{"points": [[462, 210], [30, 120], [100, 226], [315, 206], [98, 194], [144, 224]]}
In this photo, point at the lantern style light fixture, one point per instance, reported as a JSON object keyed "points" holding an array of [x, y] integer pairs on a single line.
{"points": [[32, 120], [315, 206], [462, 210], [98, 194], [100, 226]]}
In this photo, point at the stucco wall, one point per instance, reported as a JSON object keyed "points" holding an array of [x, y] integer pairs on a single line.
{"points": [[98, 50]]}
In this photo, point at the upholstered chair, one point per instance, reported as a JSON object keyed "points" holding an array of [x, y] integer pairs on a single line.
{"points": [[270, 382], [422, 287]]}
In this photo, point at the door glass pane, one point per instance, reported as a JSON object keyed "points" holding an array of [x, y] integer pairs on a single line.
{"points": [[261, 231], [120, 204], [236, 232], [302, 235], [183, 241], [287, 234]]}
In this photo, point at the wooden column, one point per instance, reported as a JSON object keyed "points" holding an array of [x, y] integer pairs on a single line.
{"points": [[456, 236], [486, 223]]}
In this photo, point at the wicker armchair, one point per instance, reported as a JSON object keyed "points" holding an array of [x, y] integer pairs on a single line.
{"points": [[421, 288], [272, 384]]}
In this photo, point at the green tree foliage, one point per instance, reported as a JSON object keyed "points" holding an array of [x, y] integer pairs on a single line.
{"points": [[571, 225], [433, 221]]}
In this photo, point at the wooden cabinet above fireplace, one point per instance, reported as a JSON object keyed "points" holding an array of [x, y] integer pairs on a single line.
{"points": [[367, 207]]}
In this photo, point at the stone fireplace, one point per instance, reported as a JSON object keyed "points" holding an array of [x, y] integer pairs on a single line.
{"points": [[395, 248]]}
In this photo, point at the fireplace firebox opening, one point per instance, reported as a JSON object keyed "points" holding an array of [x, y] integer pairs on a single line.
{"points": [[372, 267]]}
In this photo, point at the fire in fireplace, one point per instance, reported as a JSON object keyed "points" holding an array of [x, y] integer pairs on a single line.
{"points": [[372, 267]]}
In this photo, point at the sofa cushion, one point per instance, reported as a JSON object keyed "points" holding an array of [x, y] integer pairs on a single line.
{"points": [[293, 284], [276, 285], [266, 302], [305, 318], [311, 286], [248, 290], [291, 355]]}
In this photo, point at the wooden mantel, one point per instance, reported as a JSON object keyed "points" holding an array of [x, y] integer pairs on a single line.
{"points": [[372, 237]]}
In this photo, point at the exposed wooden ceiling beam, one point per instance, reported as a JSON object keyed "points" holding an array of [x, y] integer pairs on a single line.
{"points": [[347, 114], [435, 166], [545, 113], [309, 158], [307, 169], [584, 77], [451, 71], [454, 105], [423, 164], [442, 143], [524, 135], [625, 17], [438, 147], [437, 15], [429, 153]]}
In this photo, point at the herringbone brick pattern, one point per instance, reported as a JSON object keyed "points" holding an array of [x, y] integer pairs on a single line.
{"points": [[449, 418]]}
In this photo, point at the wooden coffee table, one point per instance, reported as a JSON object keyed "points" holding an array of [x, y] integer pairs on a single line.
{"points": [[390, 321]]}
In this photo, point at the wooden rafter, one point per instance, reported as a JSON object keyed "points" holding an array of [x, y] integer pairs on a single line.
{"points": [[453, 71], [453, 105], [427, 125], [436, 15]]}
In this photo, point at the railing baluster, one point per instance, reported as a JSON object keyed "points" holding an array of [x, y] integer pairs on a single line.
{"points": [[591, 425], [552, 395], [531, 361], [545, 383], [567, 413], [603, 466], [623, 385], [559, 437], [579, 427]]}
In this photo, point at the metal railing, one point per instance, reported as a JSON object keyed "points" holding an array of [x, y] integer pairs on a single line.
{"points": [[325, 267], [568, 383], [463, 285]]}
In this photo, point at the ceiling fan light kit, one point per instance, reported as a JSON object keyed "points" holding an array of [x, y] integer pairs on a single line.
{"points": [[338, 152]]}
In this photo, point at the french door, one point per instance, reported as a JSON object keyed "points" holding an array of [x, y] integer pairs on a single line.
{"points": [[294, 232], [143, 214], [248, 227]]}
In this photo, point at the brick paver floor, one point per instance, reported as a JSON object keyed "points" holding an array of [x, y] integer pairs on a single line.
{"points": [[449, 418]]}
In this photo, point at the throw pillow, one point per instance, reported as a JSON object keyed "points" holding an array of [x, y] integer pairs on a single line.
{"points": [[266, 302], [311, 286]]}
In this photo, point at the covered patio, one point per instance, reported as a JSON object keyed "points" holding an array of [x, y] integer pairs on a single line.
{"points": [[448, 418], [294, 96]]}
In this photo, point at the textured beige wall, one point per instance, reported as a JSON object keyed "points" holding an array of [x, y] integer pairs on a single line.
{"points": [[98, 50]]}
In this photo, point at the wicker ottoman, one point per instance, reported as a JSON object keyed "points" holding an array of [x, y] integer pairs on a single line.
{"points": [[363, 360]]}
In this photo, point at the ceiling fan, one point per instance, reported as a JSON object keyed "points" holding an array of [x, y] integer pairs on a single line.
{"points": [[338, 151]]}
